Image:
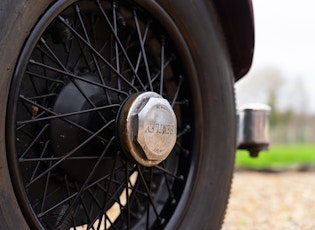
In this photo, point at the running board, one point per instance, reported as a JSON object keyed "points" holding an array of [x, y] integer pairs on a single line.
{"points": [[253, 128]]}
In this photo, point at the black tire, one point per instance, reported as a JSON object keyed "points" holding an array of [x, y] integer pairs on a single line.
{"points": [[46, 53]]}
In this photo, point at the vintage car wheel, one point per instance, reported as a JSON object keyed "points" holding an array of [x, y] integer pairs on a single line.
{"points": [[115, 115]]}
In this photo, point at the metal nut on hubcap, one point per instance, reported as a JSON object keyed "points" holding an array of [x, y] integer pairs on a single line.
{"points": [[156, 129], [149, 131]]}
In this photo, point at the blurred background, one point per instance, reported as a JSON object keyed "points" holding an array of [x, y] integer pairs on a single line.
{"points": [[276, 190], [283, 70]]}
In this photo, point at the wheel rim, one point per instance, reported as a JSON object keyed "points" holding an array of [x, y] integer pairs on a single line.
{"points": [[70, 85]]}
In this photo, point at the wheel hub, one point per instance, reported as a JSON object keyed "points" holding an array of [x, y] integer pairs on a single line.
{"points": [[147, 128], [66, 137]]}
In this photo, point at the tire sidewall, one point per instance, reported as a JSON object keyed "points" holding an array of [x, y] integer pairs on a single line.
{"points": [[17, 20]]}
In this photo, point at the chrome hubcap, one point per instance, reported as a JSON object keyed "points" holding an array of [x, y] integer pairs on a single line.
{"points": [[147, 128]]}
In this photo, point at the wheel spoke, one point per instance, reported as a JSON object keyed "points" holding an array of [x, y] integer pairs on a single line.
{"points": [[59, 116], [167, 172], [45, 77], [177, 90], [116, 32], [43, 159], [162, 67], [140, 52], [168, 185], [148, 203], [51, 54], [147, 189], [144, 55], [127, 206], [45, 190]]}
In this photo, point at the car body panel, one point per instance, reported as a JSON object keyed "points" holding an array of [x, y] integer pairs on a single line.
{"points": [[237, 21]]}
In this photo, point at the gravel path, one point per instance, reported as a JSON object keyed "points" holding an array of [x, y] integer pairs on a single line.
{"points": [[261, 201]]}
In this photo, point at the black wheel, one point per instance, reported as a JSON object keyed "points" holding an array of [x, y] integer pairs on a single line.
{"points": [[115, 115]]}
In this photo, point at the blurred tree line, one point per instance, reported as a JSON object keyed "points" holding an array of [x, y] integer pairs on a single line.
{"points": [[290, 121], [290, 126]]}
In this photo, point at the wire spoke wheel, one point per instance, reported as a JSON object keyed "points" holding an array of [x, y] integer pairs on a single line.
{"points": [[75, 74], [119, 115]]}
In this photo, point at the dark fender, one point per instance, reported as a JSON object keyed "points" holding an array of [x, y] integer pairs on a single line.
{"points": [[237, 20]]}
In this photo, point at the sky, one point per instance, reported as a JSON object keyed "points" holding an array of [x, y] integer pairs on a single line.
{"points": [[284, 46]]}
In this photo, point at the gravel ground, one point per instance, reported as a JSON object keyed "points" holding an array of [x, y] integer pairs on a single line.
{"points": [[261, 201]]}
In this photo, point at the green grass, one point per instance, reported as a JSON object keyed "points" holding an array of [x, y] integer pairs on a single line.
{"points": [[278, 157]]}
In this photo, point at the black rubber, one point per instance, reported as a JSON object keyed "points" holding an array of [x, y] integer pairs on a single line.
{"points": [[201, 65]]}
